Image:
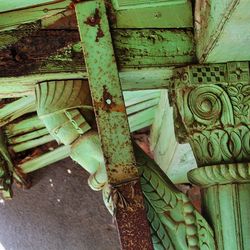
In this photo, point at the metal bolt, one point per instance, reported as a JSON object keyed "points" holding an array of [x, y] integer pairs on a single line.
{"points": [[108, 101]]}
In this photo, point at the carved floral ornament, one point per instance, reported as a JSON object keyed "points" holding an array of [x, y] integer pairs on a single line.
{"points": [[212, 107]]}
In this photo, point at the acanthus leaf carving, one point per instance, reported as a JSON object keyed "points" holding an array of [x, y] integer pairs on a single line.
{"points": [[174, 222], [214, 109]]}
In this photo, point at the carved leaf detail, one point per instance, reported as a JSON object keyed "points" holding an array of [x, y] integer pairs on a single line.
{"points": [[221, 146], [246, 90], [172, 218], [160, 237], [246, 100], [233, 91]]}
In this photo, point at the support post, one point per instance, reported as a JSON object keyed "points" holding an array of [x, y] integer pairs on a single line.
{"points": [[113, 126], [212, 111]]}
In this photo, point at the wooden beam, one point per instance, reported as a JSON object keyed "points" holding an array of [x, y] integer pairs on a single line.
{"points": [[152, 14], [15, 109], [153, 47], [29, 13], [131, 79], [141, 107], [122, 14], [174, 159], [21, 4], [222, 29], [54, 51], [32, 53]]}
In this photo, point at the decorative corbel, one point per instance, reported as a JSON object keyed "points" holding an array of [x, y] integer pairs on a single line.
{"points": [[212, 113]]}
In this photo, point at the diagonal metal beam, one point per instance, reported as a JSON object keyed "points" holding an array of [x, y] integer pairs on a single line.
{"points": [[113, 125]]}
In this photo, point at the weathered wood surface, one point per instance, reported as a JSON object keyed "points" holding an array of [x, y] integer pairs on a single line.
{"points": [[53, 51], [131, 79], [122, 14], [222, 30], [174, 159], [32, 53], [154, 14], [28, 12]]}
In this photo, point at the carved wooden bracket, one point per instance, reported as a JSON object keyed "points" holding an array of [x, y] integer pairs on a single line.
{"points": [[212, 113]]}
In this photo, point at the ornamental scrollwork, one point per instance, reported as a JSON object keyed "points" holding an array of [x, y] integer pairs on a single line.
{"points": [[212, 107]]}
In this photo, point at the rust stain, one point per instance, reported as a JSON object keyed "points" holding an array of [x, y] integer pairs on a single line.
{"points": [[67, 21], [131, 218], [31, 52], [93, 21], [107, 103]]}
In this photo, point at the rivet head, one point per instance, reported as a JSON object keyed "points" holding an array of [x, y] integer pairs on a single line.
{"points": [[108, 101]]}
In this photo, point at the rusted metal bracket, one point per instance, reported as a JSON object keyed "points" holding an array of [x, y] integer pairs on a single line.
{"points": [[113, 125]]}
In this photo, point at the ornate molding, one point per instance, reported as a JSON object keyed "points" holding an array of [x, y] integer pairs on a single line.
{"points": [[212, 111], [220, 174], [174, 222], [221, 145], [212, 107], [60, 105]]}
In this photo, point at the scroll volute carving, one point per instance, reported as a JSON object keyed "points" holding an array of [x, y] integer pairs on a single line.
{"points": [[211, 104]]}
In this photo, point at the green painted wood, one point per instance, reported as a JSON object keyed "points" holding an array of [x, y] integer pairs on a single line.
{"points": [[25, 85], [136, 97], [145, 78], [23, 126], [174, 222], [157, 14], [23, 146], [140, 107], [28, 136], [131, 79], [153, 47], [6, 169], [46, 159], [11, 19], [152, 14], [221, 29], [142, 119], [58, 51], [14, 110], [174, 159], [58, 104], [21, 4], [213, 115], [227, 205]]}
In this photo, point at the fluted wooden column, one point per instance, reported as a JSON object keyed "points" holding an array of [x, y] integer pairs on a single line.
{"points": [[212, 113]]}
